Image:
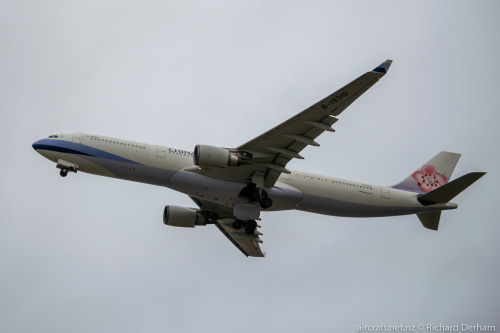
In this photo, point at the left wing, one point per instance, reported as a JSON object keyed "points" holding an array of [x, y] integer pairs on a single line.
{"points": [[246, 243]]}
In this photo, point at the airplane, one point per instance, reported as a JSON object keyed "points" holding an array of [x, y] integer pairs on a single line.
{"points": [[232, 186]]}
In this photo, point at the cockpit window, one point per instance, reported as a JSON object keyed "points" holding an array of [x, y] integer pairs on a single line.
{"points": [[53, 136]]}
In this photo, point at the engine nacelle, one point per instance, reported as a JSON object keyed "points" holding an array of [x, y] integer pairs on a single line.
{"points": [[177, 216], [210, 156]]}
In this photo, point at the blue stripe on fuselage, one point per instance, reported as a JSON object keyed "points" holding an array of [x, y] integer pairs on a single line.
{"points": [[68, 147]]}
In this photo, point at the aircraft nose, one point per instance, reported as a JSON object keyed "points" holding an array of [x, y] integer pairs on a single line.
{"points": [[37, 145]]}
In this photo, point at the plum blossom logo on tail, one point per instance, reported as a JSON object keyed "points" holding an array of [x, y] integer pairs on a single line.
{"points": [[429, 179]]}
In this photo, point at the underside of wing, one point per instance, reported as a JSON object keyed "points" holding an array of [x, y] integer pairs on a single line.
{"points": [[247, 244], [243, 234]]}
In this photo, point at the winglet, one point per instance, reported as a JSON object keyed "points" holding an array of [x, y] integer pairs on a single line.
{"points": [[383, 67]]}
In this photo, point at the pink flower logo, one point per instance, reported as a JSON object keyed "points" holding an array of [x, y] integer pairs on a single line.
{"points": [[429, 179]]}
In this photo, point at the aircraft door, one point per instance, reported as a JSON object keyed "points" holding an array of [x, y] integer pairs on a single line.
{"points": [[161, 151], [77, 138], [385, 192], [285, 176]]}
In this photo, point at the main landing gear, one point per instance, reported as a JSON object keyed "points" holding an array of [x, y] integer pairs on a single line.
{"points": [[253, 194], [250, 226]]}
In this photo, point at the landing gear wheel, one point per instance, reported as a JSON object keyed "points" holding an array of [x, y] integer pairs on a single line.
{"points": [[63, 172], [250, 192], [252, 223], [250, 227], [266, 203], [244, 192], [253, 195], [250, 230], [237, 224]]}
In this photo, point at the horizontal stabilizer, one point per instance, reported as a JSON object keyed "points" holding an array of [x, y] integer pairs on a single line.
{"points": [[448, 191], [430, 220]]}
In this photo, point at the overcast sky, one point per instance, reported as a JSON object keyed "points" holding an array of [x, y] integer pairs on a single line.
{"points": [[91, 254]]}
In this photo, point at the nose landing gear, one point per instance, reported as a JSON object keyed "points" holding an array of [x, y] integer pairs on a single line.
{"points": [[66, 167]]}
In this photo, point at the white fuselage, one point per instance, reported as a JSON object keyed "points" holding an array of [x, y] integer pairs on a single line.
{"points": [[163, 166]]}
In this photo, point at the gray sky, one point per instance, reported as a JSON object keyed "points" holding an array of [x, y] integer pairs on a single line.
{"points": [[91, 254]]}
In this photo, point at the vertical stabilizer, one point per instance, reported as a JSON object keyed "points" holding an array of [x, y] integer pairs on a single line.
{"points": [[434, 173], [430, 220]]}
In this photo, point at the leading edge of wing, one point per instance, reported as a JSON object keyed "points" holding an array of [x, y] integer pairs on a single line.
{"points": [[332, 105]]}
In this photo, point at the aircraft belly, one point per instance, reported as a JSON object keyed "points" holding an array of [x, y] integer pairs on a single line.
{"points": [[206, 188], [284, 197], [336, 207], [134, 171], [116, 169], [85, 163], [354, 201]]}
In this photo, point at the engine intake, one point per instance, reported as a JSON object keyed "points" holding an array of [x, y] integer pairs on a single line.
{"points": [[177, 216], [210, 156]]}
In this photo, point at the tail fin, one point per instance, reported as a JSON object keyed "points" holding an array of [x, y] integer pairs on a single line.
{"points": [[431, 180], [434, 173]]}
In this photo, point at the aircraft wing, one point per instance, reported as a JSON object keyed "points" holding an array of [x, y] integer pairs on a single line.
{"points": [[247, 244], [288, 139], [269, 153]]}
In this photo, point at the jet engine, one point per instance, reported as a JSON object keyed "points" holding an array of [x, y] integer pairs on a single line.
{"points": [[177, 216], [210, 156]]}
